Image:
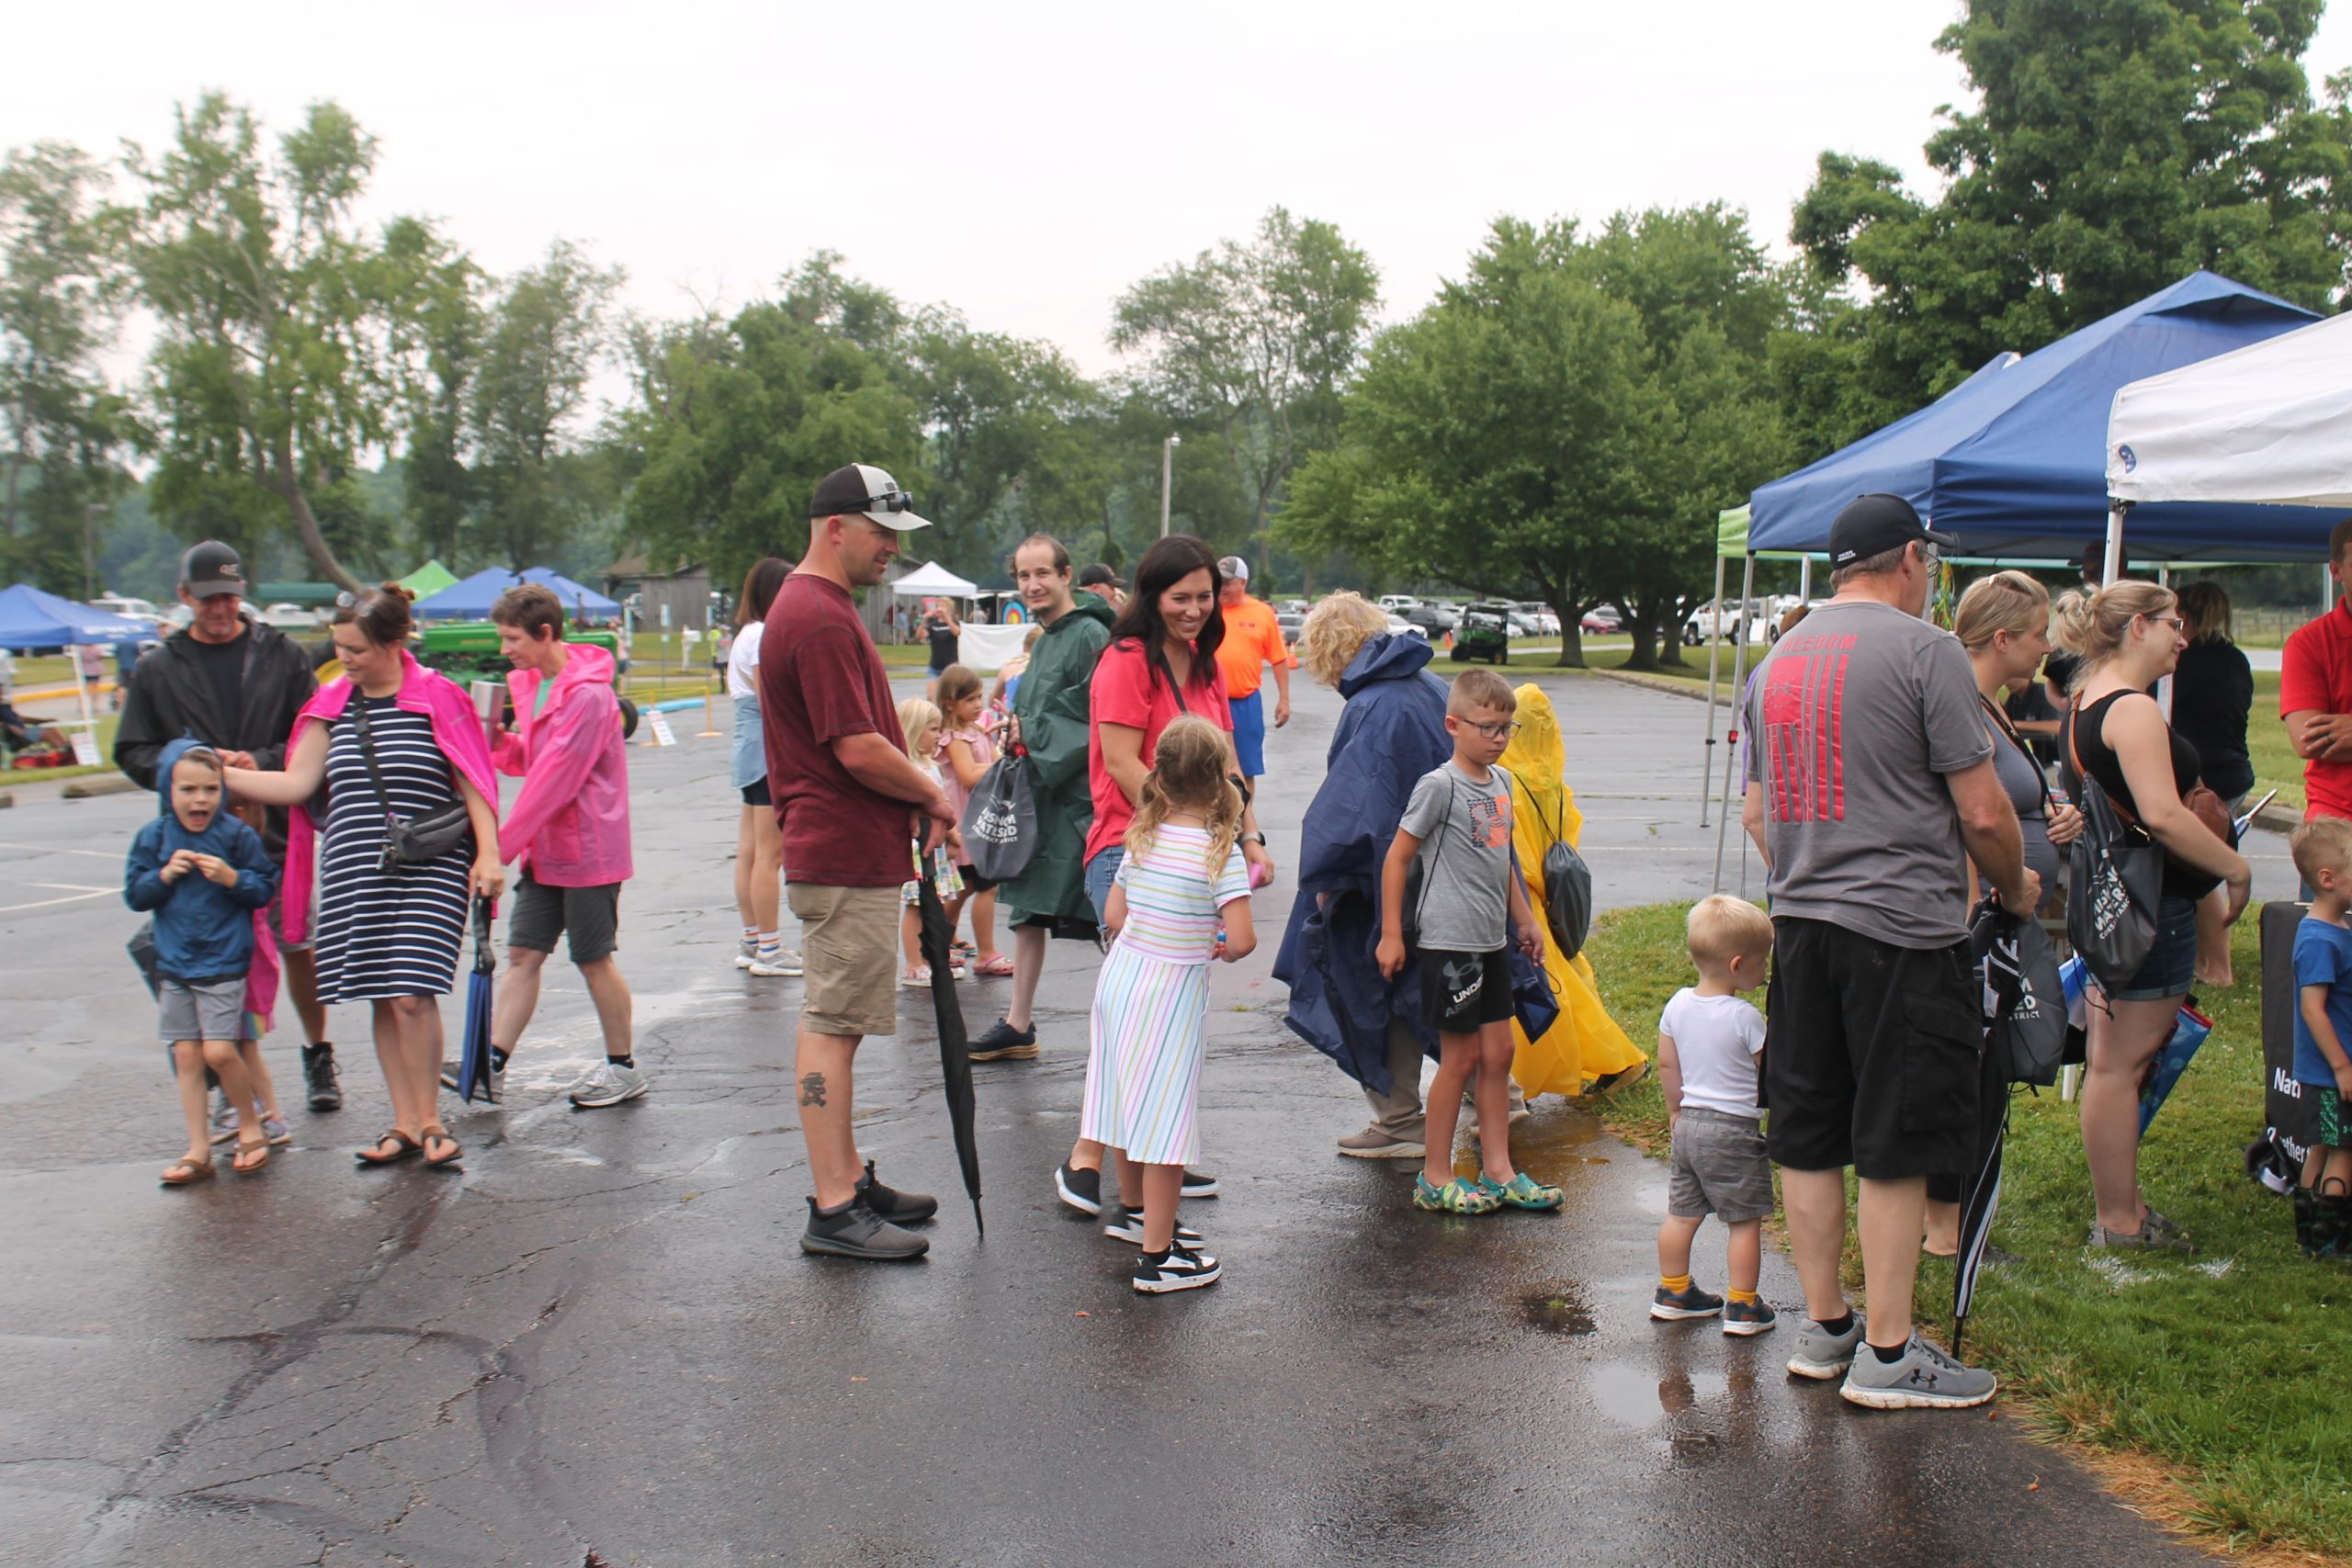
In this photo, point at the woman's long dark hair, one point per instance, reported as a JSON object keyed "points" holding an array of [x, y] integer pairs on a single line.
{"points": [[760, 584], [1165, 565]]}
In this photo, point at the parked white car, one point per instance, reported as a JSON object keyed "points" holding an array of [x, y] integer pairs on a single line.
{"points": [[1395, 602], [289, 618], [123, 604]]}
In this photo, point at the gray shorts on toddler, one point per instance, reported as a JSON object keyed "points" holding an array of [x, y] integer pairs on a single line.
{"points": [[1719, 1168]]}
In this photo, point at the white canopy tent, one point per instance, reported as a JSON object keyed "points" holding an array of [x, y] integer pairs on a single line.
{"points": [[2270, 423], [933, 580]]}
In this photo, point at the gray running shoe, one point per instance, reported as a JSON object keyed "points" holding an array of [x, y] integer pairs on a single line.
{"points": [[609, 1083], [2155, 1235], [1925, 1378], [1821, 1354], [776, 961], [1373, 1144], [854, 1230], [746, 950]]}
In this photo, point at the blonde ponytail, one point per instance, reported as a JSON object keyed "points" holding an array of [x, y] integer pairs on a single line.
{"points": [[2092, 626]]}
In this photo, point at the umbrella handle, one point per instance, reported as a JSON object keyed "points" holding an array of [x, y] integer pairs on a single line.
{"points": [[484, 960]]}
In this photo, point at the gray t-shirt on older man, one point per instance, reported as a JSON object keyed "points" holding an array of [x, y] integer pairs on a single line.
{"points": [[1855, 718], [1464, 827]]}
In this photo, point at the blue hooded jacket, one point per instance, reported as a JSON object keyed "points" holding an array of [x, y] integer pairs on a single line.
{"points": [[204, 932], [1391, 732]]}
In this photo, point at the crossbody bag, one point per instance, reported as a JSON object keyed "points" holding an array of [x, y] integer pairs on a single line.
{"points": [[415, 839]]}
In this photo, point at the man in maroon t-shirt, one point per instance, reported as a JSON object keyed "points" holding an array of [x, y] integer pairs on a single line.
{"points": [[851, 806]]}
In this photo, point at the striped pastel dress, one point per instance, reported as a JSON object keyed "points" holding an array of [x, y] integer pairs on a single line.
{"points": [[1149, 1028]]}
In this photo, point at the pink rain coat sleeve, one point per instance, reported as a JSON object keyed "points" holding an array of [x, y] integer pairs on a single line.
{"points": [[456, 729], [570, 824]]}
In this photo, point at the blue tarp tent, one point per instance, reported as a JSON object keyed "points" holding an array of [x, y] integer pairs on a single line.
{"points": [[2013, 459], [469, 598], [30, 619]]}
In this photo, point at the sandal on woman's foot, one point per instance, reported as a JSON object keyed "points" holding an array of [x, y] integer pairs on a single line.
{"points": [[915, 978], [403, 1147], [186, 1172], [995, 964], [250, 1156], [441, 1135]]}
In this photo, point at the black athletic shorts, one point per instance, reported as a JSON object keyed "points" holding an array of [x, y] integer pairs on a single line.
{"points": [[756, 793], [1462, 991], [591, 917], [1873, 1054], [973, 881]]}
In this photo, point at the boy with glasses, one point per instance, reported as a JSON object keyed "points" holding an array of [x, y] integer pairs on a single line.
{"points": [[1470, 906]]}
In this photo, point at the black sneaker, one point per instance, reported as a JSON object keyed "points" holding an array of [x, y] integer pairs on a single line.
{"points": [[895, 1207], [1180, 1268], [318, 1077], [1127, 1226], [1198, 1184], [1082, 1190], [1001, 1042], [854, 1230]]}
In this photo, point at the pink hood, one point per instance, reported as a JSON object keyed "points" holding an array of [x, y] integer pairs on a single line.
{"points": [[454, 728], [570, 824]]}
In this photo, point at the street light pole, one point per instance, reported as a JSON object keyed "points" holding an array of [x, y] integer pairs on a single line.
{"points": [[1167, 478]]}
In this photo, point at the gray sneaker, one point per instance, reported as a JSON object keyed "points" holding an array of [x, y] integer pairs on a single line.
{"points": [[1373, 1144], [854, 1230], [746, 950], [2155, 1234], [1925, 1378], [1822, 1355], [609, 1083], [776, 961]]}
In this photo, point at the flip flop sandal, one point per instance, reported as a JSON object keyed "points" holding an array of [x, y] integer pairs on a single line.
{"points": [[995, 964], [187, 1172], [243, 1163], [403, 1147], [441, 1135]]}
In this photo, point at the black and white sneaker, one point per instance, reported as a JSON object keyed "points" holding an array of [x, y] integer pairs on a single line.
{"points": [[1181, 1268], [1126, 1224], [1198, 1184], [854, 1230], [1082, 1190], [898, 1208]]}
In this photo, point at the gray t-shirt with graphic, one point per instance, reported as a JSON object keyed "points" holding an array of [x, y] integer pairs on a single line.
{"points": [[1464, 827], [1854, 720]]}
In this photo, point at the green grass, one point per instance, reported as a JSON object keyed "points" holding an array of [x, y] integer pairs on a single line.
{"points": [[2233, 1369], [2275, 762]]}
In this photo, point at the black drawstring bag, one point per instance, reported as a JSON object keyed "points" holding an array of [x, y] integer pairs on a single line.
{"points": [[999, 822]]}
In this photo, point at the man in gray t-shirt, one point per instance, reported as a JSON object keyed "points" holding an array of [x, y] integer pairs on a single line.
{"points": [[1870, 786]]}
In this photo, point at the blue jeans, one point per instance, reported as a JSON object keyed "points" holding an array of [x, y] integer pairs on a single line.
{"points": [[1099, 871]]}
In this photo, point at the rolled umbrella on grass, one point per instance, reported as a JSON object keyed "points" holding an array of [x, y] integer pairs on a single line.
{"points": [[955, 1058], [473, 1064]]}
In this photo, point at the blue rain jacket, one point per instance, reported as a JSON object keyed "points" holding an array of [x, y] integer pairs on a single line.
{"points": [[204, 932]]}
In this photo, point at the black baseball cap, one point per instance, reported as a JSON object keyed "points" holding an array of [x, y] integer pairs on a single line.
{"points": [[1874, 524], [861, 488], [211, 570], [1098, 576]]}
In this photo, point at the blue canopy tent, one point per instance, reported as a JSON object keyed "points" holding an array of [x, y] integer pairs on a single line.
{"points": [[31, 619], [469, 598]]}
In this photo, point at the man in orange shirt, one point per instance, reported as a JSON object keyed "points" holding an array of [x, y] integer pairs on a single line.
{"points": [[1252, 641]]}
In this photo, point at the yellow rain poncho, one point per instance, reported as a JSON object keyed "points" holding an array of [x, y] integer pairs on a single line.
{"points": [[1586, 1044]]}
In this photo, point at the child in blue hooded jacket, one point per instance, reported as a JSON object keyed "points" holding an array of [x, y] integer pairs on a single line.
{"points": [[202, 873]]}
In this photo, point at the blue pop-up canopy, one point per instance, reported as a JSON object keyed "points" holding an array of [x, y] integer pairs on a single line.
{"points": [[30, 619], [469, 598], [2014, 460]]}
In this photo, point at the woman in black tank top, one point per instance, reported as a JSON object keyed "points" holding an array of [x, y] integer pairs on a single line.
{"points": [[2127, 636]]}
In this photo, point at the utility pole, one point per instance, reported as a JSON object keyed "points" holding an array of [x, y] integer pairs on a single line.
{"points": [[1167, 479]]}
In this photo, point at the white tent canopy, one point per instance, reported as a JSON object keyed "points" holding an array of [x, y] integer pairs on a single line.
{"points": [[931, 577], [2270, 422]]}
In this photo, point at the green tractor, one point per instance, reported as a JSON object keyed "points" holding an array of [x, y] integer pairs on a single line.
{"points": [[1484, 633], [467, 651]]}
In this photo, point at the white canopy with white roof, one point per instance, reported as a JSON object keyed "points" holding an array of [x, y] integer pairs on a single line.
{"points": [[2270, 422], [933, 579]]}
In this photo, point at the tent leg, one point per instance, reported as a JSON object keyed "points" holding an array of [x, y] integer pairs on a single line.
{"points": [[1805, 581], [1731, 730], [1714, 665], [2115, 511]]}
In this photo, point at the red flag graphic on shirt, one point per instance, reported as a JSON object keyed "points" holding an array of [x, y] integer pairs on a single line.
{"points": [[1801, 710]]}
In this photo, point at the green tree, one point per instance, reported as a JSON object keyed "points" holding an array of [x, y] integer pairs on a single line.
{"points": [[446, 331], [284, 355], [62, 425], [1254, 341], [2117, 147], [543, 339]]}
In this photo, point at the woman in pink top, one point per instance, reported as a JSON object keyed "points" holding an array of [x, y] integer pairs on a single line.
{"points": [[1162, 665], [966, 750]]}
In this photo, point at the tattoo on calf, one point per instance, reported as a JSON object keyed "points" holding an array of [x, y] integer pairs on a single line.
{"points": [[813, 1088]]}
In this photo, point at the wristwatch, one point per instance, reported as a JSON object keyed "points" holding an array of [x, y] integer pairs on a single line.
{"points": [[1257, 839]]}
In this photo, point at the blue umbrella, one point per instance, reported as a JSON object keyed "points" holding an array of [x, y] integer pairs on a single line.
{"points": [[473, 1067], [2190, 1029]]}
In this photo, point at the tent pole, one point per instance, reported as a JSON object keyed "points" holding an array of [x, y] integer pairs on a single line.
{"points": [[1714, 653], [2115, 511], [1731, 730], [1805, 581]]}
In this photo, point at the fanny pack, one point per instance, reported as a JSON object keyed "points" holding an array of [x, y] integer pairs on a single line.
{"points": [[415, 839]]}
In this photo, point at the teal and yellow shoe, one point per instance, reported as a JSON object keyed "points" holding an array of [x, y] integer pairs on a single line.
{"points": [[1456, 1197], [1522, 1192]]}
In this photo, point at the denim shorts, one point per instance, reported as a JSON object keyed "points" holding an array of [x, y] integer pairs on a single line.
{"points": [[1100, 872], [2170, 968]]}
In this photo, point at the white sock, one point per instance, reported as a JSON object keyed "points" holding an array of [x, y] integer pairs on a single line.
{"points": [[770, 940], [750, 934]]}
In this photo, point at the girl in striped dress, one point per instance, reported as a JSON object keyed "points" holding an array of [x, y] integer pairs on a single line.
{"points": [[1180, 898]]}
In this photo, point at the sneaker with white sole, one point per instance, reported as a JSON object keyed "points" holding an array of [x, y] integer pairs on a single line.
{"points": [[745, 951], [1197, 1184], [224, 1123], [1742, 1318], [1127, 1226], [1924, 1378], [1674, 1306], [274, 1129], [1180, 1268], [1373, 1144], [1822, 1355], [1082, 1190], [609, 1083], [776, 961]]}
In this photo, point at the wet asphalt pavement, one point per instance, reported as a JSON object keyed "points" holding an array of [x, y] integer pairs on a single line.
{"points": [[602, 1336]]}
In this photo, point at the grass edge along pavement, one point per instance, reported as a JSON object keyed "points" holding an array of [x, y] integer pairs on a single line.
{"points": [[2229, 1372]]}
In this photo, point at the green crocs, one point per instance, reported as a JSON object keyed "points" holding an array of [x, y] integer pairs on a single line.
{"points": [[1456, 1197], [1522, 1192]]}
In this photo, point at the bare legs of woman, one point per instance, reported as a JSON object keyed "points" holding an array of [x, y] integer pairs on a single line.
{"points": [[2124, 1038], [409, 1047], [759, 861], [2213, 940]]}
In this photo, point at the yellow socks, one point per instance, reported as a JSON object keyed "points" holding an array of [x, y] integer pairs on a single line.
{"points": [[1745, 1298], [1675, 1286]]}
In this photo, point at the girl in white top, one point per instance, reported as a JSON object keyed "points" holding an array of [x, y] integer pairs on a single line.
{"points": [[759, 843], [924, 728]]}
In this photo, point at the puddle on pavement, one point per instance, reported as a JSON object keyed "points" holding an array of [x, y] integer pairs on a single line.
{"points": [[1560, 1310]]}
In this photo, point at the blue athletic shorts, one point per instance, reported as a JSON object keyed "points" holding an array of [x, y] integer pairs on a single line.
{"points": [[1249, 733]]}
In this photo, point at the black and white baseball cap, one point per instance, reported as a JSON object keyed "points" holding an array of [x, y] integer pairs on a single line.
{"points": [[862, 488], [1235, 567], [211, 569]]}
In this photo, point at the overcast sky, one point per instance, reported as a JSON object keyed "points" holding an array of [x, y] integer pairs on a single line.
{"points": [[1022, 161]]}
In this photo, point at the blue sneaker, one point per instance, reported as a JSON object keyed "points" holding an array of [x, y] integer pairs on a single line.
{"points": [[1673, 1306]]}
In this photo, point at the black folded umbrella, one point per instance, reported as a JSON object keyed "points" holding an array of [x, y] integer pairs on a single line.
{"points": [[1992, 939], [955, 1058]]}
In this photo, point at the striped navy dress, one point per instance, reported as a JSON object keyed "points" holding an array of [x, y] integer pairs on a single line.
{"points": [[386, 933]]}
